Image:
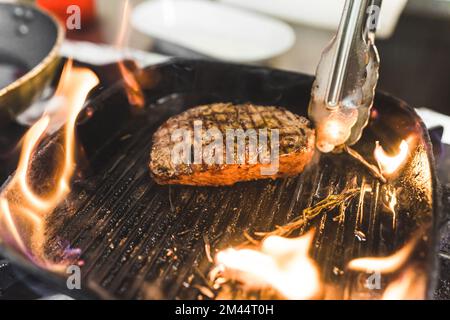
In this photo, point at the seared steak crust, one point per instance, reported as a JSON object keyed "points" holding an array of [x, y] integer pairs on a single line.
{"points": [[296, 144]]}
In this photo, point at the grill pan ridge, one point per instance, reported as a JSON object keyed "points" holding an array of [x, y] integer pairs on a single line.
{"points": [[140, 240]]}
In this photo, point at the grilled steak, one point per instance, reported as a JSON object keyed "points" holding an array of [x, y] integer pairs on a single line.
{"points": [[183, 153]]}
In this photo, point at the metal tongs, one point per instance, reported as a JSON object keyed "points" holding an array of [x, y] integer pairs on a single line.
{"points": [[346, 78]]}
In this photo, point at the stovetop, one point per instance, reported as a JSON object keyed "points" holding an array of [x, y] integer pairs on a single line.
{"points": [[15, 284]]}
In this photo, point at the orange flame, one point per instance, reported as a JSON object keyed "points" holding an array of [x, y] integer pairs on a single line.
{"points": [[284, 265], [392, 204], [385, 264], [134, 92], [21, 207], [281, 263], [390, 164], [411, 285]]}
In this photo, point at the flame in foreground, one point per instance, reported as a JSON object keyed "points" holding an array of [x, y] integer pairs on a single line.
{"points": [[390, 164], [134, 92], [23, 209], [410, 285], [281, 263], [385, 264]]}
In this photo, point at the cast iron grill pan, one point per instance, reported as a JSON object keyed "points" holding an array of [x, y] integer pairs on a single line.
{"points": [[145, 241]]}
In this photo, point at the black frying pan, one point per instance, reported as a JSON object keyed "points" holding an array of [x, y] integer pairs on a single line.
{"points": [[125, 224], [30, 40]]}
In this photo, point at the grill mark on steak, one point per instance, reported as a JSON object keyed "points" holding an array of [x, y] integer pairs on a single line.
{"points": [[296, 144]]}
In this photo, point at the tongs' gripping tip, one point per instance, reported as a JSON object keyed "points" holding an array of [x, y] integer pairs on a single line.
{"points": [[347, 74]]}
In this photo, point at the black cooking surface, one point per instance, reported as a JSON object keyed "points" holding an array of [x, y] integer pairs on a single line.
{"points": [[141, 240]]}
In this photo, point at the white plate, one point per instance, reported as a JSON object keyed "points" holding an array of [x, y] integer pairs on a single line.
{"points": [[99, 54], [213, 29], [320, 13]]}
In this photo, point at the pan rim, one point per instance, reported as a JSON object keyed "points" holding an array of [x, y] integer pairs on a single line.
{"points": [[50, 57]]}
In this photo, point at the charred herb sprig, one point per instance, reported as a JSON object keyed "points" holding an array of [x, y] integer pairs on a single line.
{"points": [[326, 205]]}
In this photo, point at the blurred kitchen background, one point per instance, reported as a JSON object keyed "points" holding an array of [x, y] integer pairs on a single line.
{"points": [[413, 41]]}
